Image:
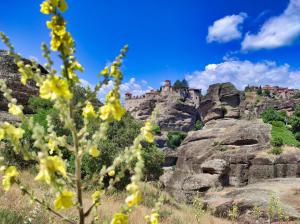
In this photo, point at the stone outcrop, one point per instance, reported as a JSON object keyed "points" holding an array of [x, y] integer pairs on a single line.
{"points": [[175, 112], [250, 110], [221, 101], [223, 150], [9, 72]]}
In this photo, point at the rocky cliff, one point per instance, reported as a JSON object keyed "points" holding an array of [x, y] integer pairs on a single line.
{"points": [[9, 72]]}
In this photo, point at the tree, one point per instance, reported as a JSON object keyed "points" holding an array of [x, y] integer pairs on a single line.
{"points": [[82, 141], [180, 84]]}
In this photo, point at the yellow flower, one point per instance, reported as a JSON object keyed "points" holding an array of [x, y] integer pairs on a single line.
{"points": [[64, 200], [52, 146], [112, 110], [96, 196], [147, 132], [13, 133], [48, 167], [2, 134], [15, 109], [55, 43], [105, 71], [53, 88], [88, 110], [153, 218], [46, 8], [94, 151], [133, 199], [8, 178], [111, 173], [119, 218]]}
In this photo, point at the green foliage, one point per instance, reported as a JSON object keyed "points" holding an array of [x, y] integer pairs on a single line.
{"points": [[259, 92], [277, 141], [180, 84], [286, 135], [9, 217], [278, 124], [126, 130], [294, 121], [198, 125], [297, 136], [156, 129], [266, 92], [175, 138], [271, 114], [276, 150]]}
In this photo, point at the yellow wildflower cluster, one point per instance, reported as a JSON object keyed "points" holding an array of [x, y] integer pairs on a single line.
{"points": [[49, 166], [9, 177], [11, 132], [15, 109], [119, 218], [152, 218], [113, 108], [64, 200], [54, 88], [135, 197], [88, 110], [147, 132]]}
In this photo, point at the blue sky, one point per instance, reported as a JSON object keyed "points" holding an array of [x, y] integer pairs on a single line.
{"points": [[207, 41]]}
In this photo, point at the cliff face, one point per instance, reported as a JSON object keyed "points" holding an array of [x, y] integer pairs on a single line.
{"points": [[177, 111], [9, 73], [221, 101]]}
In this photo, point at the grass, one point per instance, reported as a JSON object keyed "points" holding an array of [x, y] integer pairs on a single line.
{"points": [[287, 136], [10, 217], [15, 208]]}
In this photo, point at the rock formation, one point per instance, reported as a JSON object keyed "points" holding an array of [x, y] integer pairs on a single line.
{"points": [[9, 72], [177, 110], [221, 101]]}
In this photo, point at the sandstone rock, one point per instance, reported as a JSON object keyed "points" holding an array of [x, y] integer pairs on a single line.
{"points": [[215, 166], [221, 101], [9, 72], [224, 148]]}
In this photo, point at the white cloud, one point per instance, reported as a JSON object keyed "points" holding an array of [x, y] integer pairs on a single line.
{"points": [[278, 31], [132, 86], [226, 29], [242, 73]]}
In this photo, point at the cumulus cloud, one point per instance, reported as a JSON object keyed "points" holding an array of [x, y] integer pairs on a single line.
{"points": [[226, 29], [132, 86], [276, 32], [242, 73]]}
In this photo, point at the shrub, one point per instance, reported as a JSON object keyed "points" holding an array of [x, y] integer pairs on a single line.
{"points": [[277, 141], [278, 124], [295, 123], [198, 125], [271, 114], [175, 138], [80, 140], [276, 150], [297, 136], [156, 129]]}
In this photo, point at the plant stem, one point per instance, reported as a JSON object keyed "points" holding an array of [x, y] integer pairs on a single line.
{"points": [[77, 171]]}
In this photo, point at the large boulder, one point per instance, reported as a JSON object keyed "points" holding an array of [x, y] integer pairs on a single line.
{"points": [[9, 73], [221, 101]]}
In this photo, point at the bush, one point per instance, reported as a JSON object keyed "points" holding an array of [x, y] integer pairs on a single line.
{"points": [[277, 141], [156, 129], [271, 114], [276, 150], [278, 123], [198, 125], [295, 123], [297, 136], [175, 138]]}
